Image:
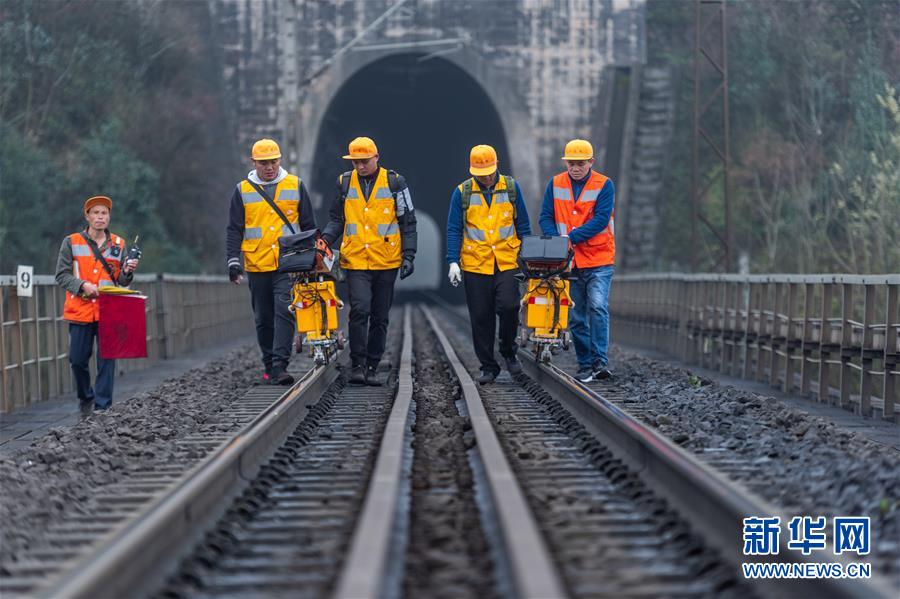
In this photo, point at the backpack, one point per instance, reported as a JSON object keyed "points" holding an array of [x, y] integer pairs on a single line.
{"points": [[467, 194]]}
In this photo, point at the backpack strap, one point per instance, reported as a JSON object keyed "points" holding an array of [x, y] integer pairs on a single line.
{"points": [[466, 195], [345, 184], [393, 183], [511, 192]]}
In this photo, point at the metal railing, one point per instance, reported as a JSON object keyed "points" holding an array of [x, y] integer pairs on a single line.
{"points": [[832, 337], [184, 313]]}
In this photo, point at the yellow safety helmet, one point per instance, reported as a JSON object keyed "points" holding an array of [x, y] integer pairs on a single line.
{"points": [[579, 149], [482, 160], [265, 149], [361, 148]]}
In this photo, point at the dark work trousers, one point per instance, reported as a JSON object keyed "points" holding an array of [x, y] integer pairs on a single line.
{"points": [[81, 346], [490, 297], [371, 295], [270, 296]]}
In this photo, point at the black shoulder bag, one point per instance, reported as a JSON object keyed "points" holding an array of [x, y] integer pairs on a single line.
{"points": [[297, 252], [99, 256]]}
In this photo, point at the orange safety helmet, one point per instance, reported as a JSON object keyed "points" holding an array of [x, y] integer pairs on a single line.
{"points": [[361, 148], [482, 160], [97, 201], [265, 149], [579, 149]]}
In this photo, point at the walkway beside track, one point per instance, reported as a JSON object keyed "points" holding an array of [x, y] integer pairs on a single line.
{"points": [[874, 429], [18, 429]]}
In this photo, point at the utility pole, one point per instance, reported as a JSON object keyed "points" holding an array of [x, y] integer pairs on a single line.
{"points": [[288, 60], [710, 50]]}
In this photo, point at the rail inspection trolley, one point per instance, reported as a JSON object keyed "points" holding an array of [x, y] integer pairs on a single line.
{"points": [[544, 261], [314, 302]]}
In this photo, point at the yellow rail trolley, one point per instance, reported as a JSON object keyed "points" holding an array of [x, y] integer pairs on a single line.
{"points": [[315, 304], [544, 262]]}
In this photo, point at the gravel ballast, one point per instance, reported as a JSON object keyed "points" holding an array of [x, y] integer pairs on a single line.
{"points": [[803, 464], [57, 475], [448, 554]]}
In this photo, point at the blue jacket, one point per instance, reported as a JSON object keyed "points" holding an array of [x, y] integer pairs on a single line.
{"points": [[603, 209], [455, 221]]}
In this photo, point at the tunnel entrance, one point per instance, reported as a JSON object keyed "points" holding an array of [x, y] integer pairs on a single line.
{"points": [[424, 114]]}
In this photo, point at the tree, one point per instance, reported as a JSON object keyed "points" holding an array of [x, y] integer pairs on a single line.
{"points": [[809, 132], [115, 98]]}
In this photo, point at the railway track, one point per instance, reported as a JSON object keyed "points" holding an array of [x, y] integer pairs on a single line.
{"points": [[699, 488], [76, 547], [535, 487]]}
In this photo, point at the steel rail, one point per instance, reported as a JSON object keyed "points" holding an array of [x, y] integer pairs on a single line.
{"points": [[713, 504], [144, 550], [364, 571], [534, 573]]}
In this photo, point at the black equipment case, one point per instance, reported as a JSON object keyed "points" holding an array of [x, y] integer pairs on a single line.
{"points": [[297, 253], [544, 254]]}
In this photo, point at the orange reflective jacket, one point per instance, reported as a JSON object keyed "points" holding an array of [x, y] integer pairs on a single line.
{"points": [[599, 250], [87, 268]]}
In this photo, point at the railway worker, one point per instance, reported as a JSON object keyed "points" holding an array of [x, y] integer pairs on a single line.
{"points": [[373, 210], [487, 219], [269, 203], [88, 260], [579, 202]]}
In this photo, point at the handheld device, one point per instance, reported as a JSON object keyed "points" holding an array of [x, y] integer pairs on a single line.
{"points": [[134, 252]]}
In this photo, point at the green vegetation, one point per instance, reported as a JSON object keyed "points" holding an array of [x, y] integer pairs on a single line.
{"points": [[115, 98], [815, 134]]}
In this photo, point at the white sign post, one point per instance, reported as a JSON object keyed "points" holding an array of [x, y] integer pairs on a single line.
{"points": [[25, 281]]}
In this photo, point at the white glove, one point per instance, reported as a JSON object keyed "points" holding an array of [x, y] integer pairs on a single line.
{"points": [[455, 275]]}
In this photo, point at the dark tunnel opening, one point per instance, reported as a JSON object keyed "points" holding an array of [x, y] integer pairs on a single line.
{"points": [[424, 115]]}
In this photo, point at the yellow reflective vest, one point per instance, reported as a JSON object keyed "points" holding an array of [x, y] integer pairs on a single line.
{"points": [[489, 231], [263, 227], [371, 232]]}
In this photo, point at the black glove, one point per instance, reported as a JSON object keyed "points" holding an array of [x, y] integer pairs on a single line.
{"points": [[234, 272], [406, 268]]}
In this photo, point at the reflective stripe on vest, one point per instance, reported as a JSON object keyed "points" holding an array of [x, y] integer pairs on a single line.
{"points": [[489, 231], [600, 250], [388, 229], [251, 197], [371, 232], [90, 270], [263, 226]]}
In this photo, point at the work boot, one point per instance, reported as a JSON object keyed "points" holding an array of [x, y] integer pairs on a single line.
{"points": [[601, 372], [487, 377], [513, 366], [281, 377], [267, 376], [585, 375], [372, 377], [358, 376]]}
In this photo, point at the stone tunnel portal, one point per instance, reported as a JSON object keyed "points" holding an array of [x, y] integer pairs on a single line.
{"points": [[424, 114]]}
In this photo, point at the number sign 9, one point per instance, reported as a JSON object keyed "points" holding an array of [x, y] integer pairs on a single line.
{"points": [[25, 281]]}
